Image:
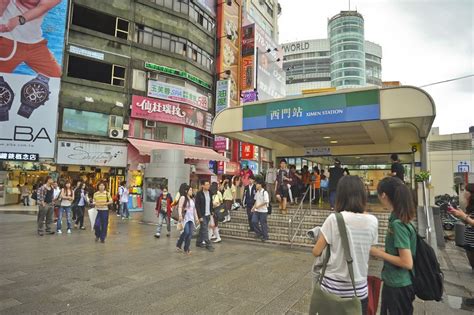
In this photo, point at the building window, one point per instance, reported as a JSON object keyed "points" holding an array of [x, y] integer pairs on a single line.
{"points": [[92, 70], [161, 132], [84, 122], [100, 22]]}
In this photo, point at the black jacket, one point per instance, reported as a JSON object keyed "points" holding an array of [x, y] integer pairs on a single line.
{"points": [[200, 202], [249, 196]]}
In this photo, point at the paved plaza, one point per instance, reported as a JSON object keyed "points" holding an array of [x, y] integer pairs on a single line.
{"points": [[133, 273]]}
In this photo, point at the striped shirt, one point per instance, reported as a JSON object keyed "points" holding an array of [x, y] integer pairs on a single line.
{"points": [[344, 289], [469, 234], [101, 199]]}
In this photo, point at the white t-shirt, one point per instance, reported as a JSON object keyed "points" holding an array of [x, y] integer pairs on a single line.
{"points": [[123, 193], [261, 197], [362, 233], [30, 32]]}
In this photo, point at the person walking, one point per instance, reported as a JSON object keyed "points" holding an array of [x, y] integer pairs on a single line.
{"points": [[270, 179], [295, 185], [228, 199], [362, 233], [281, 189], [77, 195], [217, 203], [249, 200], [397, 167], [398, 293], [81, 200], [45, 195], [203, 206], [187, 217], [335, 174], [260, 211], [25, 195], [101, 201], [163, 212], [67, 196], [316, 181], [123, 196], [56, 200], [237, 190]]}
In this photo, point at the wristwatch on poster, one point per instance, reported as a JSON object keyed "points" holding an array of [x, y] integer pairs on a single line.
{"points": [[6, 99], [21, 20], [34, 94]]}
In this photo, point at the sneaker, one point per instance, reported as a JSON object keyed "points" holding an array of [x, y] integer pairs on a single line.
{"points": [[68, 231], [218, 240], [75, 226], [118, 214], [50, 232], [60, 232], [213, 237], [102, 241], [178, 249], [40, 234], [82, 228], [188, 253], [157, 235]]}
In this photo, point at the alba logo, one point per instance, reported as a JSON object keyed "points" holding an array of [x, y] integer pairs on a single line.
{"points": [[28, 134]]}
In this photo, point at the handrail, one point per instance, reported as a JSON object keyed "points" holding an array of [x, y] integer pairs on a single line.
{"points": [[293, 217]]}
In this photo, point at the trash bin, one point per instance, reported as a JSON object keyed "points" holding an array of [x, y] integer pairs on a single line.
{"points": [[459, 234]]}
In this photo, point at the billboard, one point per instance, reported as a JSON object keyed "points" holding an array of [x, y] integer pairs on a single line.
{"points": [[222, 95], [248, 73], [31, 53], [91, 154], [229, 27], [178, 94], [170, 112]]}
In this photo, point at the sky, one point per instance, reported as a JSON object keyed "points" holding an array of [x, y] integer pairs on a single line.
{"points": [[423, 41]]}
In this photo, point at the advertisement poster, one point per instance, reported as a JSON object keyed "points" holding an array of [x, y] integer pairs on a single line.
{"points": [[170, 112], [222, 95], [178, 94], [248, 151], [91, 154], [248, 40], [220, 143], [229, 27], [31, 55], [248, 73]]}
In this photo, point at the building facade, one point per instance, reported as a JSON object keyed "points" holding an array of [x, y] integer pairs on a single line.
{"points": [[343, 60], [265, 14]]}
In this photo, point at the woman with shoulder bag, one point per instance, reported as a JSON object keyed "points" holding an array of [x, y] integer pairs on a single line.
{"points": [[217, 203], [102, 201], [349, 234], [187, 217]]}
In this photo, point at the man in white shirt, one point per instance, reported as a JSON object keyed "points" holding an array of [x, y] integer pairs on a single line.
{"points": [[123, 195], [260, 212], [270, 180]]}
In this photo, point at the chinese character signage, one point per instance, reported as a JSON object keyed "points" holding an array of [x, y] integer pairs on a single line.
{"points": [[92, 154], [178, 94], [21, 157], [178, 73], [220, 143], [248, 151], [31, 54], [314, 110], [222, 95], [170, 112], [248, 73], [325, 151]]}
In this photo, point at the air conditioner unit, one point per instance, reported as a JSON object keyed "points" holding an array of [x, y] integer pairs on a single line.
{"points": [[150, 123], [116, 133]]}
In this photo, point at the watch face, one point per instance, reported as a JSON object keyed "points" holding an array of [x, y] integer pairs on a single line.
{"points": [[35, 93], [6, 96]]}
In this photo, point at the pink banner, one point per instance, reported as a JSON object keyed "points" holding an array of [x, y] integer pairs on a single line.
{"points": [[170, 112]]}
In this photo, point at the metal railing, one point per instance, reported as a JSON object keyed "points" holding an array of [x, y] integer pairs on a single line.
{"points": [[293, 218]]}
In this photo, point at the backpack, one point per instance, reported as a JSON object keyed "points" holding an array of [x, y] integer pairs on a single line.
{"points": [[34, 195], [428, 277], [269, 207]]}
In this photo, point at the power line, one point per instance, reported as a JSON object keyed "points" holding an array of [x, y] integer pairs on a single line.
{"points": [[455, 79]]}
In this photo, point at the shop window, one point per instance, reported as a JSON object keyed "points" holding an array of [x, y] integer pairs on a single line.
{"points": [[139, 80], [85, 122], [100, 22], [97, 71]]}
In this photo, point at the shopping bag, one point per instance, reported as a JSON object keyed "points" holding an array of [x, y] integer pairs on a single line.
{"points": [[179, 226], [92, 217], [374, 285]]}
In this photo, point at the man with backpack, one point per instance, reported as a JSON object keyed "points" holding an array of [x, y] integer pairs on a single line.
{"points": [[260, 211]]}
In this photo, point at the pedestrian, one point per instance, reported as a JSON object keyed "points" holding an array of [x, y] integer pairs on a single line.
{"points": [[316, 180], [282, 181], [67, 196], [362, 233], [45, 200], [187, 217], [249, 200], [80, 194], [101, 201], [203, 206], [260, 211], [245, 174], [56, 200], [237, 190], [270, 179], [228, 199], [397, 168], [305, 179], [295, 184], [123, 196], [398, 293], [25, 195], [335, 174], [217, 204], [77, 195], [468, 218], [163, 211]]}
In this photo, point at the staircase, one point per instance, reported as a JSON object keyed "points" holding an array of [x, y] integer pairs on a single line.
{"points": [[278, 226]]}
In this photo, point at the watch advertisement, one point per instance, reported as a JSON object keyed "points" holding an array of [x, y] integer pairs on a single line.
{"points": [[31, 56]]}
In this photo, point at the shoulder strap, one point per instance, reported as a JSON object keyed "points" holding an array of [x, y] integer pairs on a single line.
{"points": [[345, 244]]}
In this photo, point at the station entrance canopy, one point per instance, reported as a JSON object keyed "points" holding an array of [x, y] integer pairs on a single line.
{"points": [[346, 122]]}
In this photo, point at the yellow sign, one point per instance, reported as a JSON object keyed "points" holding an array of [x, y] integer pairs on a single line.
{"points": [[316, 91]]}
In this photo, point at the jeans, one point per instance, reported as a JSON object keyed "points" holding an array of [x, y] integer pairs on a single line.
{"points": [[101, 224], [259, 222], [26, 200], [80, 215], [249, 216], [186, 236], [45, 214], [163, 217], [332, 198], [124, 210], [60, 218], [203, 231], [270, 188]]}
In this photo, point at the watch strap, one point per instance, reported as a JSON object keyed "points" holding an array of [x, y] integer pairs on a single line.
{"points": [[1, 79], [4, 115], [25, 110], [43, 78]]}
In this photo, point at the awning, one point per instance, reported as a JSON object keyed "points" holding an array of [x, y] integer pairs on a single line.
{"points": [[145, 147]]}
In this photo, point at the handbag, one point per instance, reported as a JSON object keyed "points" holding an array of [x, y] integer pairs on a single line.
{"points": [[324, 303], [175, 213], [374, 284], [220, 213]]}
